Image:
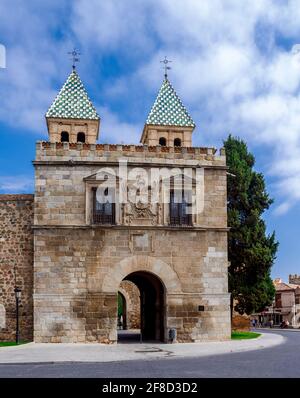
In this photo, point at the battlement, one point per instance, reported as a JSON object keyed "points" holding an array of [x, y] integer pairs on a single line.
{"points": [[295, 279], [65, 151]]}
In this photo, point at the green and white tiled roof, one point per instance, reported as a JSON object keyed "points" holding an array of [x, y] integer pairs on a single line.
{"points": [[72, 102], [168, 110]]}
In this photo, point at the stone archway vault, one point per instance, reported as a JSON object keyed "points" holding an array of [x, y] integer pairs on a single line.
{"points": [[132, 264]]}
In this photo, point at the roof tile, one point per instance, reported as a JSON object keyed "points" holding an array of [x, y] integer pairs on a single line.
{"points": [[72, 102], [168, 110]]}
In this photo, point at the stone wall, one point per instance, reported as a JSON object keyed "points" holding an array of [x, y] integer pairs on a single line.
{"points": [[97, 152], [16, 264], [240, 322], [78, 266], [63, 194], [78, 273], [131, 294]]}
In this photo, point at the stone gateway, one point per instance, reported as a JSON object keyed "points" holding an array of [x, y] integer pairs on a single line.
{"points": [[146, 223]]}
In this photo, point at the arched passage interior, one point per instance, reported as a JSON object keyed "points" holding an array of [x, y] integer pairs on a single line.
{"points": [[152, 305], [122, 311]]}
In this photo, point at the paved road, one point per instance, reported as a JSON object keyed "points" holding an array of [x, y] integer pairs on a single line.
{"points": [[278, 361]]}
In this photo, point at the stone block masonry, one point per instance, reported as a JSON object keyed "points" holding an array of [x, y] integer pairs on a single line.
{"points": [[78, 273], [132, 312], [16, 265], [79, 266], [175, 253]]}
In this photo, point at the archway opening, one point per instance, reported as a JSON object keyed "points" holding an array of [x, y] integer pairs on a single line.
{"points": [[122, 312], [177, 142], [64, 136], [149, 325], [162, 141], [81, 137]]}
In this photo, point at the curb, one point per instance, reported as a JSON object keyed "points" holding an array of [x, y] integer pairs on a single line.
{"points": [[58, 354]]}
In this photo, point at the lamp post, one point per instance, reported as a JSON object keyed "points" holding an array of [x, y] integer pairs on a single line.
{"points": [[18, 296]]}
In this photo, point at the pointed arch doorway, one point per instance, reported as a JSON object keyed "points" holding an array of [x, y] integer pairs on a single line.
{"points": [[152, 307]]}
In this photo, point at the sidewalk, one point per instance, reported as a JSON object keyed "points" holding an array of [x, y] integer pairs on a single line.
{"points": [[49, 353]]}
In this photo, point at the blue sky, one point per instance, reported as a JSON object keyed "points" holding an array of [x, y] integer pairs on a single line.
{"points": [[235, 65]]}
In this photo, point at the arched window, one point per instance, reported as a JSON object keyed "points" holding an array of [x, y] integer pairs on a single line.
{"points": [[64, 137], [81, 137], [162, 141], [177, 142]]}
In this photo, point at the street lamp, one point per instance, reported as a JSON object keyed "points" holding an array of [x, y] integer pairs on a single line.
{"points": [[18, 296]]}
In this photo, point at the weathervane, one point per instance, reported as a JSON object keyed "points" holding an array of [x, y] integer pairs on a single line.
{"points": [[75, 57], [166, 67]]}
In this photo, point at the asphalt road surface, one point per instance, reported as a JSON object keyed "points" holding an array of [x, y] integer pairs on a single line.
{"points": [[278, 361]]}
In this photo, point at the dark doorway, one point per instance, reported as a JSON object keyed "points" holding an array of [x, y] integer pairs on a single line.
{"points": [[152, 301]]}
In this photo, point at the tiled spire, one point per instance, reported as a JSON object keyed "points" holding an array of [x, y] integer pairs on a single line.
{"points": [[168, 110], [72, 102]]}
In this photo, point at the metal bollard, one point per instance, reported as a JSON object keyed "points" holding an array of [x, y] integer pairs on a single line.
{"points": [[172, 335]]}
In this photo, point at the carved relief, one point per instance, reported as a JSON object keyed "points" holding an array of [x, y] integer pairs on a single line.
{"points": [[139, 210], [140, 213]]}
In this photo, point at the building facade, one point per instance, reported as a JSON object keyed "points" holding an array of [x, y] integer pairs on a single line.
{"points": [[153, 214], [286, 304]]}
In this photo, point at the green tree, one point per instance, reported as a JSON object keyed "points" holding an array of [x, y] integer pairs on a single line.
{"points": [[251, 250]]}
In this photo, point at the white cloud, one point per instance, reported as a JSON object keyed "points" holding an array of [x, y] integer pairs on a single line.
{"points": [[232, 66], [113, 25], [16, 184], [34, 59], [230, 84], [283, 208], [112, 130]]}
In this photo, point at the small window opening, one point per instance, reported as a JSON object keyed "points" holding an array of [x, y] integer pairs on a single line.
{"points": [[177, 142], [162, 141], [64, 137], [81, 137]]}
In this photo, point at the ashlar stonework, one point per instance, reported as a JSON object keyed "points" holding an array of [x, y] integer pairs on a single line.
{"points": [[79, 265], [86, 251], [130, 295], [16, 264]]}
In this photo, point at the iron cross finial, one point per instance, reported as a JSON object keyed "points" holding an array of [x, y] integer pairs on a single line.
{"points": [[75, 57], [166, 67]]}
